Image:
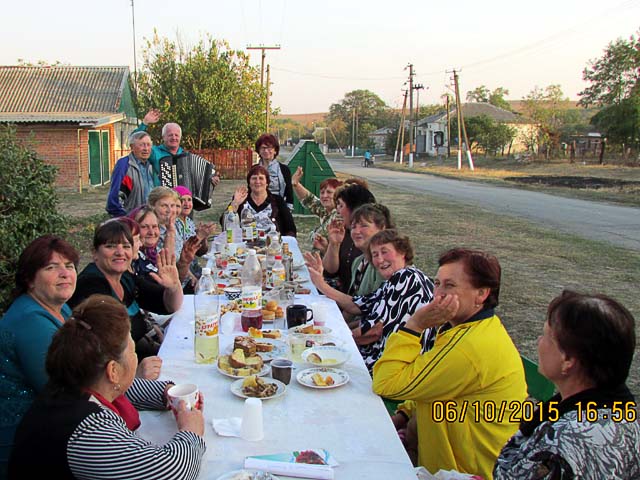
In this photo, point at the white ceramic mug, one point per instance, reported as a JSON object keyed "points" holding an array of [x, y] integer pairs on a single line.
{"points": [[188, 392]]}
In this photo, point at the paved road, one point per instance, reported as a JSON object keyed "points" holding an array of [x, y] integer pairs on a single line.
{"points": [[594, 220]]}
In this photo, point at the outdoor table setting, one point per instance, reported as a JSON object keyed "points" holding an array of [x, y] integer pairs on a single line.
{"points": [[344, 420], [228, 272]]}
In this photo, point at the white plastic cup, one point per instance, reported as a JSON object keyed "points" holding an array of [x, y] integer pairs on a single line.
{"points": [[320, 314], [188, 392], [252, 428]]}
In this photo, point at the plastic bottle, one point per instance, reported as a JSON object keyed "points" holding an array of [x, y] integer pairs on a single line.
{"points": [[231, 225], [249, 228], [206, 340], [251, 277], [273, 248], [278, 272]]}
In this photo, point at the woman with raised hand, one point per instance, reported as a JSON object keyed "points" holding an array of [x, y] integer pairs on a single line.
{"points": [[267, 208], [109, 274], [341, 251], [385, 310], [45, 281], [84, 424], [323, 207], [468, 388], [590, 428]]}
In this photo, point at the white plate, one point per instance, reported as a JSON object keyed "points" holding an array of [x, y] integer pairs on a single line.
{"points": [[280, 349], [323, 330], [237, 474], [236, 389], [339, 355], [340, 377], [262, 373]]}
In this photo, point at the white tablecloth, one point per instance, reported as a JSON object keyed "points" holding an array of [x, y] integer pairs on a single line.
{"points": [[350, 421]]}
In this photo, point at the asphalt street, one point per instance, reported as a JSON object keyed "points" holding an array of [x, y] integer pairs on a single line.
{"points": [[618, 225]]}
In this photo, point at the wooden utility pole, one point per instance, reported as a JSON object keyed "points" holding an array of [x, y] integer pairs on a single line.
{"points": [[268, 103], [262, 48], [400, 129], [448, 127], [353, 131], [410, 66], [417, 87], [461, 123]]}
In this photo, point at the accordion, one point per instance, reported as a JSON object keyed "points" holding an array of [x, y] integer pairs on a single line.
{"points": [[191, 171]]}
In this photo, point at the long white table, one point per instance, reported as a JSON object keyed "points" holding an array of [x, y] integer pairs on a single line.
{"points": [[350, 421]]}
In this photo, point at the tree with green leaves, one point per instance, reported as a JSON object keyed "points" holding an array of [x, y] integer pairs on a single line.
{"points": [[28, 205], [210, 90], [496, 98], [486, 134], [615, 76], [615, 86], [370, 113], [544, 107]]}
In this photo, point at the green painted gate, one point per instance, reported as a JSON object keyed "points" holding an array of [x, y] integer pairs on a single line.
{"points": [[307, 154], [98, 157]]}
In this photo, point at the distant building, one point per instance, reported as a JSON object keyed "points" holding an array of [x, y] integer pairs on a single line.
{"points": [[427, 128], [80, 117], [379, 137]]}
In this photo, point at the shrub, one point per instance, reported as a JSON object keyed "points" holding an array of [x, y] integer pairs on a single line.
{"points": [[28, 205]]}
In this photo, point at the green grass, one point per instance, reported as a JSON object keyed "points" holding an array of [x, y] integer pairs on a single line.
{"points": [[538, 263]]}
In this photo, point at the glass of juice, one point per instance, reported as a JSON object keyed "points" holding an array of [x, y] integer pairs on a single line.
{"points": [[251, 318]]}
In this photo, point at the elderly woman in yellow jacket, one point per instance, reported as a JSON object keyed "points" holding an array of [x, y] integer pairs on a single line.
{"points": [[468, 388]]}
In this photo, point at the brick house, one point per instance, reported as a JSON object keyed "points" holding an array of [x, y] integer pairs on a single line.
{"points": [[77, 118]]}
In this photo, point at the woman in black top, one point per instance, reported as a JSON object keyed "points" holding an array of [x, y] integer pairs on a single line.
{"points": [[341, 251], [109, 274], [267, 208]]}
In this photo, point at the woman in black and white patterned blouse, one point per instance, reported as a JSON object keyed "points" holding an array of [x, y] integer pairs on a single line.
{"points": [[83, 425], [406, 288]]}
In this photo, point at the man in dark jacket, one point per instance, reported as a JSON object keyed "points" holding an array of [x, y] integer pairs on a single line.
{"points": [[132, 178]]}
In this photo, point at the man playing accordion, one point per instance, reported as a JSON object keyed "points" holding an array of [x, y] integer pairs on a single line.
{"points": [[175, 166]]}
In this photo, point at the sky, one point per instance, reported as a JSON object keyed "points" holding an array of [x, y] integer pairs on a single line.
{"points": [[332, 47]]}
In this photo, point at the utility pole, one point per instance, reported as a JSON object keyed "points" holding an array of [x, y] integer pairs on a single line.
{"points": [[411, 74], [448, 126], [353, 131], [417, 87], [262, 48], [135, 63], [268, 103], [461, 123], [400, 129]]}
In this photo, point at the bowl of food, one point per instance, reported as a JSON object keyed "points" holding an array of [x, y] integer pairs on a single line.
{"points": [[232, 293], [326, 356]]}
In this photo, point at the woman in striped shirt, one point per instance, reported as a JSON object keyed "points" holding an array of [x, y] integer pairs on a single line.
{"points": [[82, 426]]}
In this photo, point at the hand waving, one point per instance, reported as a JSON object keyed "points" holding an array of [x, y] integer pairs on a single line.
{"points": [[336, 232], [167, 275], [314, 264], [152, 116], [296, 177], [240, 195], [320, 243]]}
